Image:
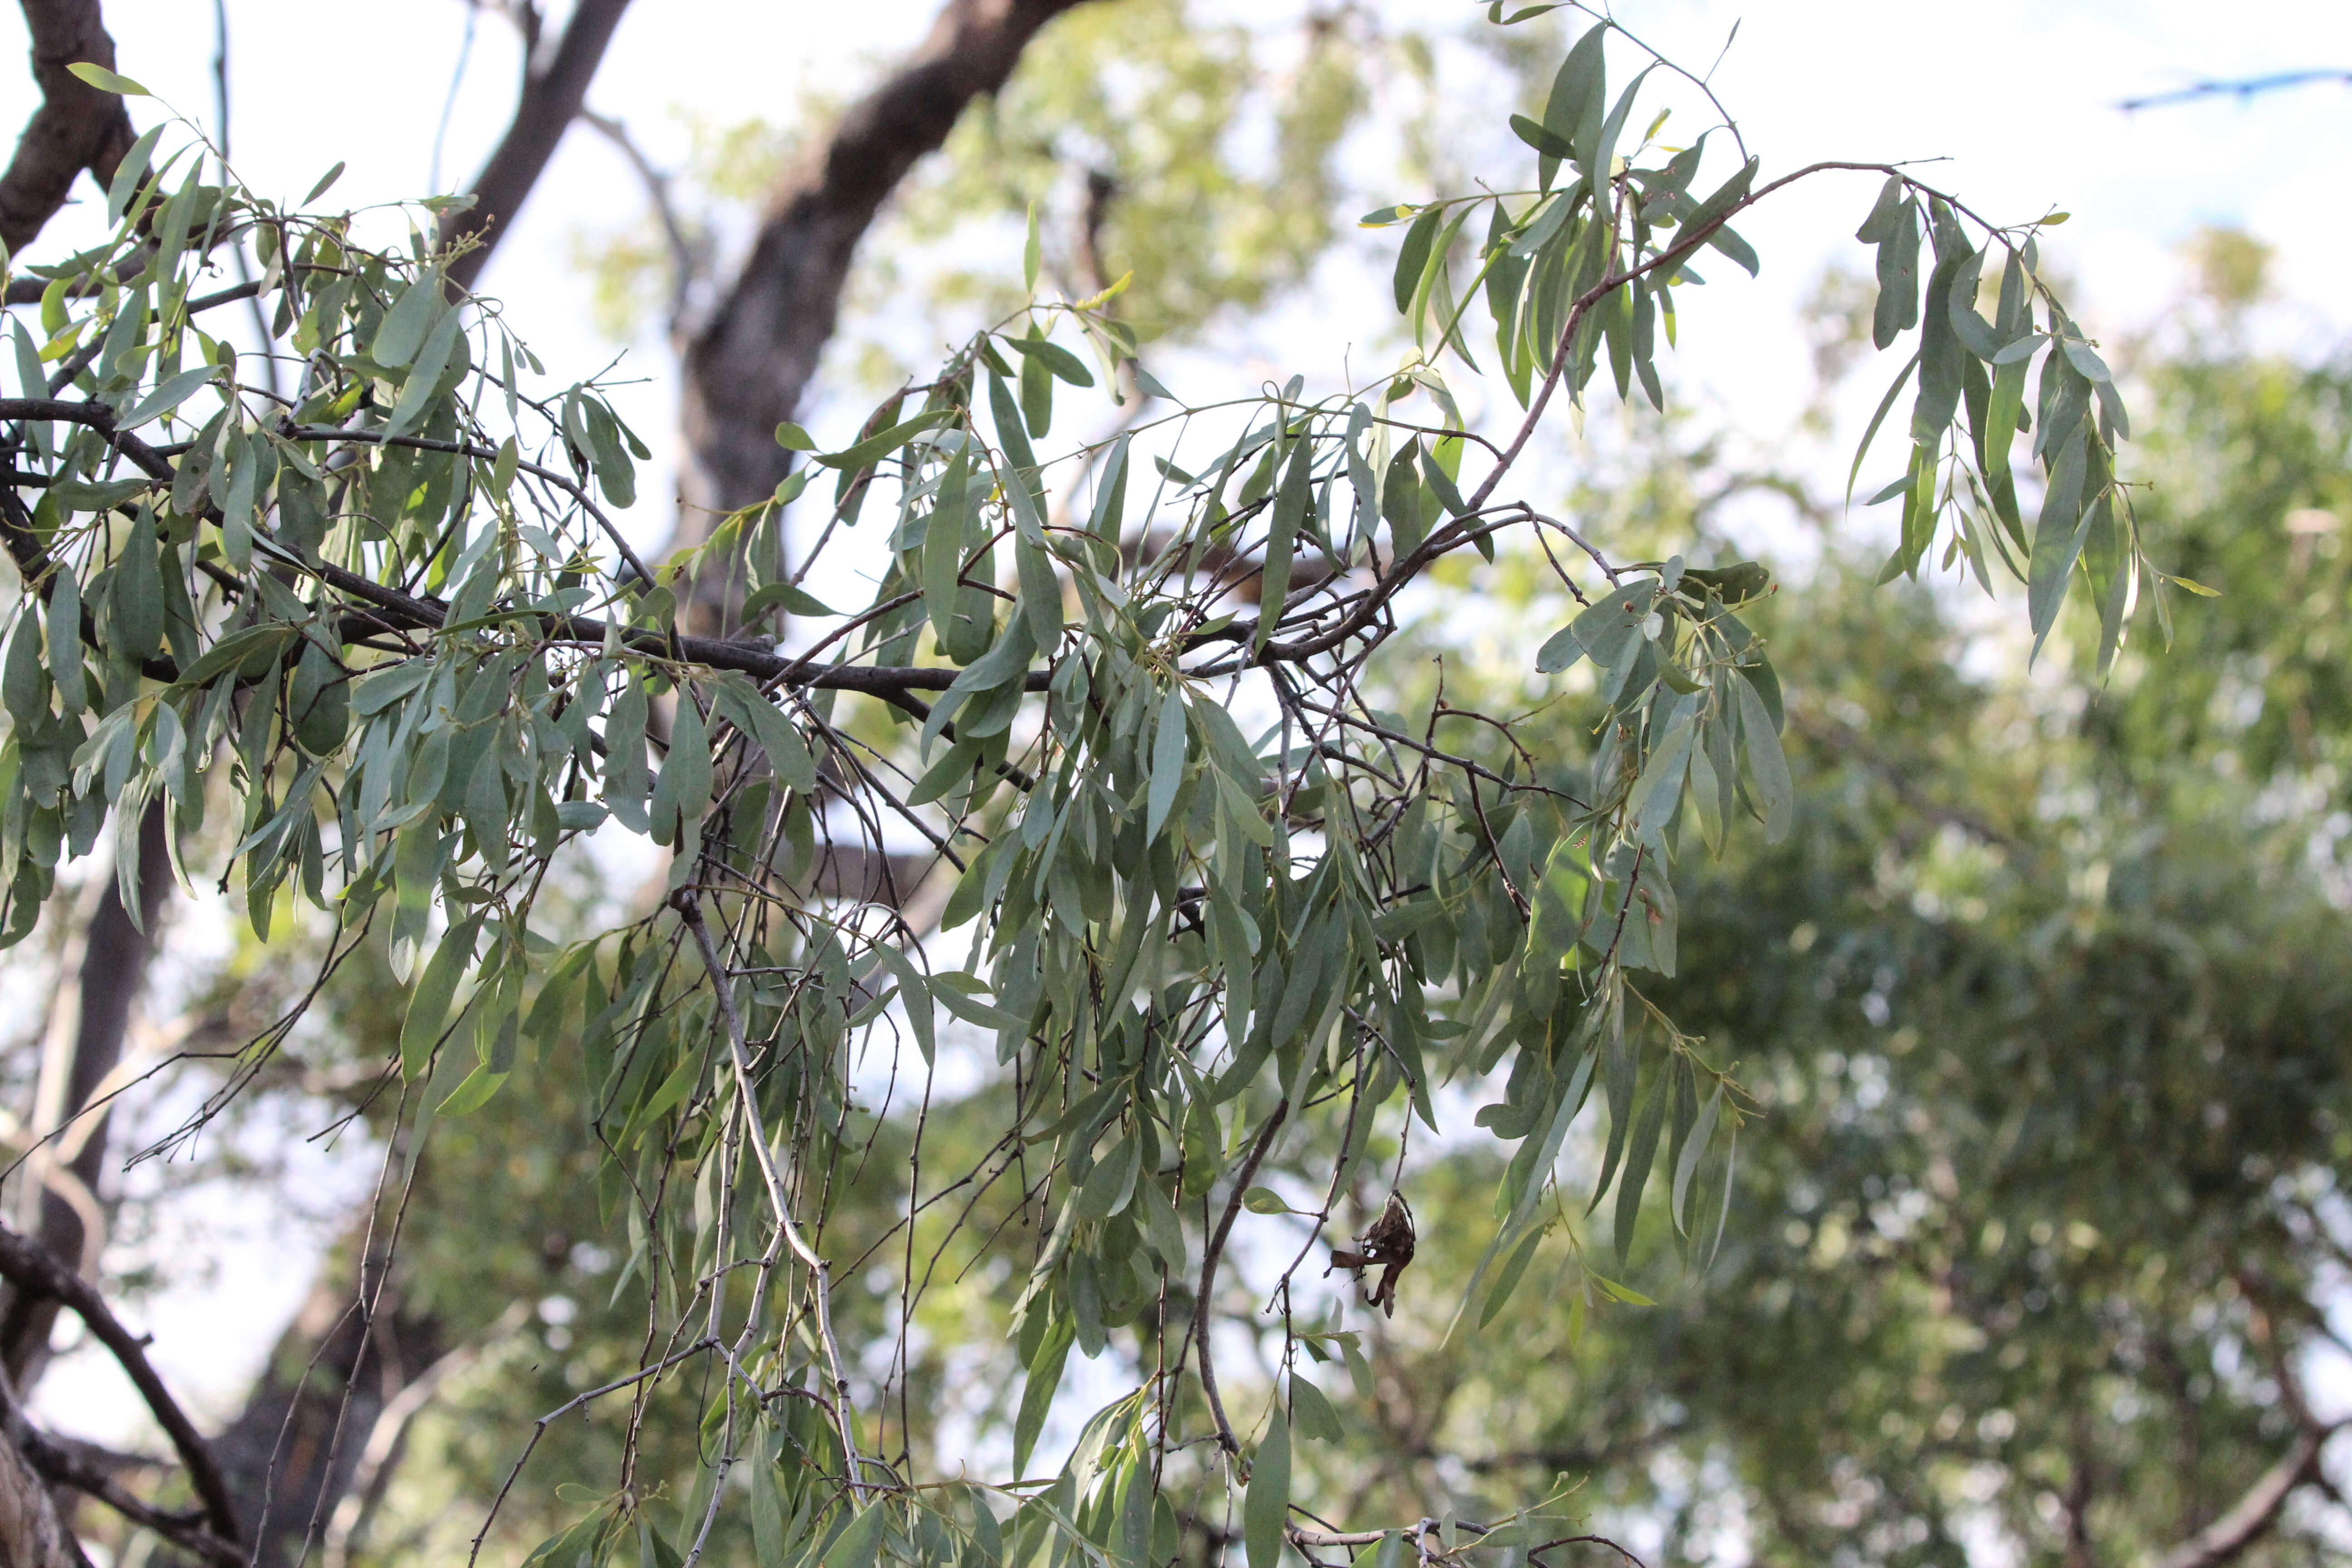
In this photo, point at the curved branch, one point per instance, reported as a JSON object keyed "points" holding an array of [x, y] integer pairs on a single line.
{"points": [[1209, 1258], [2254, 1513], [77, 127], [722, 980], [31, 1268], [685, 256]]}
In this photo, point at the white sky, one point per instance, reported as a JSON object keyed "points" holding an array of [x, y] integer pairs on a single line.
{"points": [[2020, 95]]}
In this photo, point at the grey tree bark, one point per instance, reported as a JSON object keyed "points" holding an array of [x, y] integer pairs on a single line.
{"points": [[115, 954], [77, 126], [748, 365]]}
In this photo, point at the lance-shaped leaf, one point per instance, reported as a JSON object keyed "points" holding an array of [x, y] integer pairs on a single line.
{"points": [[1289, 509], [1265, 1505]]}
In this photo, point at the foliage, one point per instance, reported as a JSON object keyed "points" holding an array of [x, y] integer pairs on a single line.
{"points": [[2038, 1225], [386, 656]]}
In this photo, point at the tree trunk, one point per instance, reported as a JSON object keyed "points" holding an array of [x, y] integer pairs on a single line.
{"points": [[31, 1534], [113, 971], [552, 92], [749, 364], [291, 1453]]}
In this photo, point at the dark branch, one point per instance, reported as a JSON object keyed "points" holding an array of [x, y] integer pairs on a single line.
{"points": [[77, 127], [1209, 1258], [550, 100], [746, 367], [32, 1269]]}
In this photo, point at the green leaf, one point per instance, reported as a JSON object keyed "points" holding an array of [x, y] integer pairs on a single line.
{"points": [[683, 791], [1041, 592], [1038, 1390], [1109, 1186], [383, 686], [1289, 509], [1263, 1200], [1639, 1154], [1695, 1146], [914, 997], [1055, 358], [1659, 791], [1765, 764], [1265, 1505], [473, 1094], [876, 447], [23, 681], [1317, 1422], [130, 173], [408, 323], [792, 601], [1573, 108], [1508, 1282], [428, 1004], [1624, 1293], [1412, 258], [1870, 433], [1561, 651], [64, 619], [137, 594], [425, 376], [2057, 537], [325, 180], [2084, 358], [106, 81], [793, 438], [1032, 252], [1547, 142], [1168, 753], [1036, 397], [165, 395], [859, 1545], [787, 751], [1161, 1228]]}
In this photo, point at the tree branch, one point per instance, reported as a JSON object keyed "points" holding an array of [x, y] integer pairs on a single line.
{"points": [[77, 127], [2255, 1513], [30, 1267], [686, 258], [1209, 1256], [748, 365], [550, 100]]}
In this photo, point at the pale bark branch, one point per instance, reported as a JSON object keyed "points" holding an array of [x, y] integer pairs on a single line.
{"points": [[2254, 1514]]}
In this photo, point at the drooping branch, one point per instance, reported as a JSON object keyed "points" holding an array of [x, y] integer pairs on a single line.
{"points": [[748, 365], [77, 127], [551, 96], [688, 255], [1211, 1254]]}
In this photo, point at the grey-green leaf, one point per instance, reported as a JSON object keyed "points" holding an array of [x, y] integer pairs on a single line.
{"points": [[1767, 767], [1168, 751], [1265, 1507]]}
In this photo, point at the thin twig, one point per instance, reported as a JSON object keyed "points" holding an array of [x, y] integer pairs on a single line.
{"points": [[1226, 1438]]}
